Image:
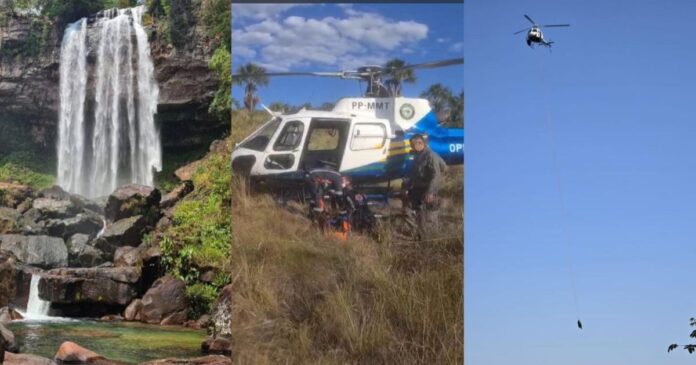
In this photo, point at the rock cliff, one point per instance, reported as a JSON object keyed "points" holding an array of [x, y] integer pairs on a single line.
{"points": [[29, 83]]}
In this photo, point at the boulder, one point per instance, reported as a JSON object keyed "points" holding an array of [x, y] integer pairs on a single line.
{"points": [[111, 318], [11, 195], [86, 223], [172, 197], [81, 254], [201, 323], [206, 360], [42, 251], [220, 345], [70, 352], [8, 338], [131, 200], [87, 204], [185, 173], [7, 277], [125, 232], [133, 311], [55, 192], [26, 359], [112, 287], [32, 224], [8, 315], [56, 209], [128, 256], [166, 300], [10, 221], [222, 312]]}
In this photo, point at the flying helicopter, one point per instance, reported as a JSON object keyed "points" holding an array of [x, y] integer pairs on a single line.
{"points": [[534, 34], [365, 138]]}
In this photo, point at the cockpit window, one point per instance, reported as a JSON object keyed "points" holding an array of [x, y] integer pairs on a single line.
{"points": [[290, 137], [259, 141]]}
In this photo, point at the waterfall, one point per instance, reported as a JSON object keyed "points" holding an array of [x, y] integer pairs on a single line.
{"points": [[36, 307], [107, 137]]}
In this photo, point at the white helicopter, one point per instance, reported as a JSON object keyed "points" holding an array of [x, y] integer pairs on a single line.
{"points": [[364, 138], [534, 34]]}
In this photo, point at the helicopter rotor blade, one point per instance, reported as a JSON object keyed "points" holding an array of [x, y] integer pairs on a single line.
{"points": [[530, 19], [523, 30], [555, 25], [434, 64], [324, 74]]}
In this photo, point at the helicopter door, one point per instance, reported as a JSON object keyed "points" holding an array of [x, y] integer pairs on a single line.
{"points": [[325, 144], [368, 145], [285, 153]]}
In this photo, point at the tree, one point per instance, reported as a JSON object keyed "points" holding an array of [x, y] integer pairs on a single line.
{"points": [[690, 347], [457, 110], [397, 76], [251, 76], [448, 107], [327, 106]]}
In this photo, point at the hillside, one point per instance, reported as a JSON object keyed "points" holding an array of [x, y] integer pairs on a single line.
{"points": [[302, 298]]}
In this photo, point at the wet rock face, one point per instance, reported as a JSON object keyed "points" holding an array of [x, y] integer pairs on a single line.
{"points": [[165, 302], [41, 251], [104, 289], [7, 277], [29, 77]]}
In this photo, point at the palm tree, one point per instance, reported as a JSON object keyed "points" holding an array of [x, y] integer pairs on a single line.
{"points": [[397, 77], [251, 76], [439, 97], [457, 107]]}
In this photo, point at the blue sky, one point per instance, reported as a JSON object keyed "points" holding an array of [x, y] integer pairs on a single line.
{"points": [[334, 37], [619, 90]]}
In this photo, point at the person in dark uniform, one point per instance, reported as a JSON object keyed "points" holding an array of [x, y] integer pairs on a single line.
{"points": [[423, 186]]}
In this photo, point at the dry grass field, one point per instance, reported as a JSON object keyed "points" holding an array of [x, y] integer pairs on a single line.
{"points": [[303, 298]]}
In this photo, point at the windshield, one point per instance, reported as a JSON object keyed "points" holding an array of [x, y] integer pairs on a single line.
{"points": [[259, 140]]}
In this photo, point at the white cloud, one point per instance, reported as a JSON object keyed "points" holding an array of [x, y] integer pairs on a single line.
{"points": [[260, 11], [457, 47], [345, 42]]}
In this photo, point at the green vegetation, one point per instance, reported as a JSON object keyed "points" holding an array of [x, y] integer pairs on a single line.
{"points": [[172, 160], [26, 168], [396, 78], [199, 238], [301, 297], [251, 77], [448, 106]]}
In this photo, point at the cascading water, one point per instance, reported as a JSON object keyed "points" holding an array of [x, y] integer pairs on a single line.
{"points": [[107, 137], [36, 307]]}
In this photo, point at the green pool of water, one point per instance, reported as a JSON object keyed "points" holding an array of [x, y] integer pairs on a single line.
{"points": [[125, 341]]}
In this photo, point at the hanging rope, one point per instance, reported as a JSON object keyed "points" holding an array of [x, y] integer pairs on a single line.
{"points": [[551, 129]]}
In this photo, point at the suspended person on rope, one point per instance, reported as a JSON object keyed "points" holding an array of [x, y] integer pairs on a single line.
{"points": [[423, 186]]}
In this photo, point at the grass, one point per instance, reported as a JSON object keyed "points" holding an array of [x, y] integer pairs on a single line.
{"points": [[27, 168], [302, 298], [199, 238]]}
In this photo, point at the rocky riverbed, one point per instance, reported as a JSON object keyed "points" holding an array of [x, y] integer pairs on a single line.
{"points": [[97, 259]]}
